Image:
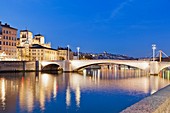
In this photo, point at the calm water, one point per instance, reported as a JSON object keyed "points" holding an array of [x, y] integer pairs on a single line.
{"points": [[98, 91]]}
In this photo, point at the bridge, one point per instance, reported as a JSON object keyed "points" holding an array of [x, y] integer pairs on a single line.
{"points": [[152, 67]]}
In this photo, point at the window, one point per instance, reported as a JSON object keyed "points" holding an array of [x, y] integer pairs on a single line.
{"points": [[6, 37], [3, 43], [6, 43], [0, 48], [23, 35], [6, 32], [0, 42], [9, 38]]}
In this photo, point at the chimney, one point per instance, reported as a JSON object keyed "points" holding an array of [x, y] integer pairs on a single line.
{"points": [[7, 25]]}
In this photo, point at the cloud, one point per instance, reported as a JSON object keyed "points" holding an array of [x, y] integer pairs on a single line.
{"points": [[114, 12], [119, 8]]}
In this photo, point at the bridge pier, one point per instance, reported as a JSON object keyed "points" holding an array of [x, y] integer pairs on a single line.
{"points": [[154, 68], [67, 66]]}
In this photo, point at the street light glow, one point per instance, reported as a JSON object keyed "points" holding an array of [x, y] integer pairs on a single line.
{"points": [[78, 50], [153, 49]]}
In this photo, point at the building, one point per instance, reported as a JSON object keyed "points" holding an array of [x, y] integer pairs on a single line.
{"points": [[36, 52], [39, 39], [63, 53], [39, 52], [25, 35], [8, 37], [31, 49]]}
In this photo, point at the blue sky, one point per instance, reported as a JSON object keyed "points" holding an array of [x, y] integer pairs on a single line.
{"points": [[127, 27]]}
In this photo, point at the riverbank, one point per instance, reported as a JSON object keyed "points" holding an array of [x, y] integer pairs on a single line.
{"points": [[159, 102], [19, 66]]}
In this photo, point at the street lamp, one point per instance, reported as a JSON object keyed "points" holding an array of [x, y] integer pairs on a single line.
{"points": [[68, 52], [153, 50], [78, 50]]}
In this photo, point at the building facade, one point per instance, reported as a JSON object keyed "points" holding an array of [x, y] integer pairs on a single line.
{"points": [[39, 39], [40, 53], [25, 35], [36, 52], [31, 49], [8, 37], [63, 54]]}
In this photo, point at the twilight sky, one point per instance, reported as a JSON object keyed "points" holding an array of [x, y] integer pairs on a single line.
{"points": [[127, 27]]}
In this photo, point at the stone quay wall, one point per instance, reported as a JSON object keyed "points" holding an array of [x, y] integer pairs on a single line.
{"points": [[12, 66], [159, 102]]}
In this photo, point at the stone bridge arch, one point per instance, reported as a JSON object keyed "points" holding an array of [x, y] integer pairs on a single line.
{"points": [[77, 64], [163, 65], [47, 63]]}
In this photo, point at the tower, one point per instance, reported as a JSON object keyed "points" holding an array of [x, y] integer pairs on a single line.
{"points": [[25, 35]]}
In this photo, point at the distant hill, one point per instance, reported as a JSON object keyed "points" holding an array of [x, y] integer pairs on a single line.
{"points": [[104, 55]]}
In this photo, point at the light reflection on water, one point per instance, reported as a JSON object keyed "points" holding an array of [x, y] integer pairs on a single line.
{"points": [[92, 91]]}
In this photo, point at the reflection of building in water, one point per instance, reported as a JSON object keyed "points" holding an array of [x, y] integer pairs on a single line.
{"points": [[68, 96], [33, 90], [78, 95], [74, 84], [55, 88], [26, 94], [29, 90], [47, 86], [3, 94], [8, 94]]}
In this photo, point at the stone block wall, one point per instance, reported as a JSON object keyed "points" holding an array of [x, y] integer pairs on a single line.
{"points": [[156, 103], [17, 66]]}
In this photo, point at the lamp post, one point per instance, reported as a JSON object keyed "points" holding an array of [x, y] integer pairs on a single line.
{"points": [[153, 50], [78, 50], [68, 52]]}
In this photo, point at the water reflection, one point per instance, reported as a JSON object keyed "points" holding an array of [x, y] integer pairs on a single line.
{"points": [[165, 74], [78, 95], [68, 96], [3, 93], [93, 90]]}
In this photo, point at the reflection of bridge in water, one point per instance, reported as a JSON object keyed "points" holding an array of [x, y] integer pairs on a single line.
{"points": [[152, 67], [68, 89]]}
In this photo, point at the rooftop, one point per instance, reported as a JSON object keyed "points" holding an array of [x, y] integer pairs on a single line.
{"points": [[7, 26], [37, 46], [63, 48], [38, 35], [25, 30]]}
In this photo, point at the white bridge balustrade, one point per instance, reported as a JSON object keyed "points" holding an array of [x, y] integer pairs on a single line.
{"points": [[153, 67]]}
